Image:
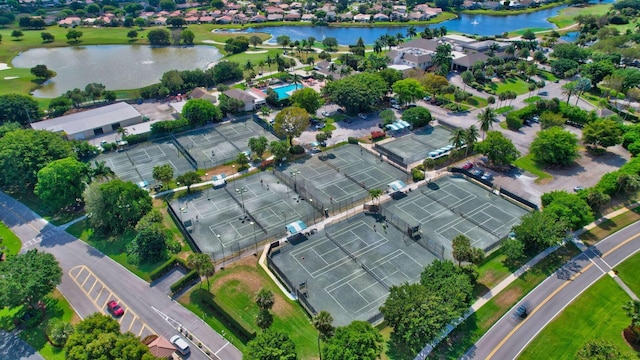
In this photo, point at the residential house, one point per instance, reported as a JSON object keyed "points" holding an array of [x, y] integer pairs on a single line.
{"points": [[206, 19], [345, 16], [225, 20], [293, 16], [380, 17], [258, 19], [308, 17], [362, 18], [247, 98], [275, 17], [202, 93], [70, 21], [161, 348]]}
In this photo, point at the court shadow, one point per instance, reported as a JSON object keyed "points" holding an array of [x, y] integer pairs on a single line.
{"points": [[398, 195], [327, 156], [433, 186]]}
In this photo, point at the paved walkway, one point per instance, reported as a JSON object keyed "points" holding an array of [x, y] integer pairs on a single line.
{"points": [[516, 274]]}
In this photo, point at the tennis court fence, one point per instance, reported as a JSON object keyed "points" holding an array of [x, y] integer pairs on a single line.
{"points": [[184, 151], [226, 138], [301, 187], [134, 166], [375, 276]]}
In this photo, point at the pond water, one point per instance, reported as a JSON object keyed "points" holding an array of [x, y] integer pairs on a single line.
{"points": [[115, 66], [570, 36], [484, 25]]}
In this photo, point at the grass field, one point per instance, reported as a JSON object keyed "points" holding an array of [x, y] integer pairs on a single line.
{"points": [[57, 307], [255, 58], [610, 226], [628, 272], [235, 289], [477, 324], [9, 240], [528, 164], [597, 313], [515, 84], [532, 99], [504, 109], [567, 15]]}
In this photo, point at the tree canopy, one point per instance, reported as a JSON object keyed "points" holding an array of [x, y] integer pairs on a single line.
{"points": [[291, 122], [498, 149], [605, 133], [116, 205], [19, 108], [27, 278], [159, 37], [539, 230], [408, 90], [163, 173], [98, 336], [24, 152], [200, 111], [555, 146], [417, 116], [568, 208], [61, 183], [357, 93], [308, 99], [356, 341], [271, 345]]}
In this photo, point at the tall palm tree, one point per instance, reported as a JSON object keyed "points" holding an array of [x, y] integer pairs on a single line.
{"points": [[510, 50], [248, 66], [457, 138], [345, 70], [375, 194], [269, 61], [531, 70], [569, 89], [322, 322], [411, 32], [443, 31], [332, 68], [261, 65], [399, 38], [486, 119], [377, 46], [122, 132], [100, 170], [470, 138]]}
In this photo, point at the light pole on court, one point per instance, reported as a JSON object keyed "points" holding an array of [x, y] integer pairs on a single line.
{"points": [[255, 241], [294, 173], [241, 191], [285, 222], [221, 246], [206, 178]]}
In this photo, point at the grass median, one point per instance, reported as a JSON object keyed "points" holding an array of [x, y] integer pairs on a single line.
{"points": [[527, 163], [9, 240]]}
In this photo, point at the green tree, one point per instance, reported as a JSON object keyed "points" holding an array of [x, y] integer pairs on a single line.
{"points": [[202, 264], [258, 145], [27, 278], [632, 309], [442, 59], [17, 34], [61, 183], [387, 116], [599, 349], [150, 244], [18, 108], [255, 41], [242, 161], [555, 146], [271, 345], [417, 116], [74, 35], [470, 138], [308, 99], [408, 90], [628, 183], [513, 249], [323, 323], [98, 336], [539, 230], [187, 36], [41, 72], [24, 152], [457, 138], [356, 341], [189, 178], [467, 77], [429, 163], [59, 331], [357, 93], [375, 194], [226, 71], [291, 122], [498, 149], [486, 119], [265, 299], [132, 34], [264, 319], [163, 174], [47, 37], [159, 37], [279, 150], [549, 119], [116, 205], [464, 252], [604, 132], [200, 111], [100, 170]]}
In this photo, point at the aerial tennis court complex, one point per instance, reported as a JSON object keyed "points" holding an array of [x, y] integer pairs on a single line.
{"points": [[348, 268], [416, 146]]}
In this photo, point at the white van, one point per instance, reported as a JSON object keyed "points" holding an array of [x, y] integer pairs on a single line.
{"points": [[180, 344]]}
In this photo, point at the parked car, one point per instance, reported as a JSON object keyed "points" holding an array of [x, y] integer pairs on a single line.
{"points": [[535, 119], [487, 176], [468, 165], [181, 344], [324, 113], [396, 106], [318, 126], [348, 120], [340, 111], [426, 98], [362, 116], [114, 308], [578, 188], [543, 93], [478, 172], [411, 105]]}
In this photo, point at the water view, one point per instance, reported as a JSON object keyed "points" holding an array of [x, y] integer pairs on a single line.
{"points": [[484, 25], [115, 66]]}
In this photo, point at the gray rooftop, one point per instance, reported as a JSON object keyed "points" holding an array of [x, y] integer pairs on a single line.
{"points": [[88, 120]]}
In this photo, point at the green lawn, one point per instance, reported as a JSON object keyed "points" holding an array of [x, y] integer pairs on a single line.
{"points": [[470, 330], [113, 247], [610, 226], [597, 313], [628, 272], [510, 84], [532, 99], [9, 240], [566, 16], [255, 58], [235, 289], [528, 164], [57, 307], [547, 76], [504, 109]]}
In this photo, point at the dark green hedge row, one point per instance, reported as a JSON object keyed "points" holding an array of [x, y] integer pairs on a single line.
{"points": [[184, 281], [238, 327]]}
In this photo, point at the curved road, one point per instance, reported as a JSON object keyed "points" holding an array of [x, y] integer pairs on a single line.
{"points": [[509, 336], [90, 278]]}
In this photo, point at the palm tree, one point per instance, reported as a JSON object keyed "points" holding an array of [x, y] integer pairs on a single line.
{"points": [[345, 70], [261, 65], [375, 194], [443, 31], [332, 68], [248, 66], [322, 322], [569, 89], [399, 38], [122, 132], [470, 138], [457, 138], [100, 170], [269, 61], [510, 50], [486, 119], [531, 70], [202, 264], [377, 46], [411, 32], [265, 299]]}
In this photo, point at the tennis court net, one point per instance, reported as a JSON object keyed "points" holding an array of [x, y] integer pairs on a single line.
{"points": [[184, 151], [244, 208]]}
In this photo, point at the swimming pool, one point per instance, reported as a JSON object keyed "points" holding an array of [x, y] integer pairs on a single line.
{"points": [[285, 91]]}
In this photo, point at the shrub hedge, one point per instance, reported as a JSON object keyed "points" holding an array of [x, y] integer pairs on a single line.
{"points": [[238, 327], [184, 281], [166, 267]]}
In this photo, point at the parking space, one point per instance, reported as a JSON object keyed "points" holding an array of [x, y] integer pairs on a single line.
{"points": [[100, 294]]}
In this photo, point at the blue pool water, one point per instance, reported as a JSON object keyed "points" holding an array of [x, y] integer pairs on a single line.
{"points": [[283, 90]]}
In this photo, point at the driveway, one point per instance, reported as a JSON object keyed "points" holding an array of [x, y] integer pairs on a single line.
{"points": [[154, 310]]}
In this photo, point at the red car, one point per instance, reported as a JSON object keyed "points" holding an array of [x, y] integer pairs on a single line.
{"points": [[114, 308], [467, 166]]}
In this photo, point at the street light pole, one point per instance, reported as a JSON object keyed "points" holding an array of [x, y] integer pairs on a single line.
{"points": [[295, 182], [206, 178], [222, 246], [255, 241], [241, 191]]}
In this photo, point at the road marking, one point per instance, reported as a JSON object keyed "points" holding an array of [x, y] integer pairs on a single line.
{"points": [[556, 291], [76, 273]]}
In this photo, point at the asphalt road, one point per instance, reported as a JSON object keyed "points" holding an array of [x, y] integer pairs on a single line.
{"points": [[510, 335], [90, 279]]}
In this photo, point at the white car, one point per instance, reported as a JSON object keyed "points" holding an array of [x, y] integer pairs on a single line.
{"points": [[318, 126], [362, 116], [180, 344], [396, 106], [324, 113]]}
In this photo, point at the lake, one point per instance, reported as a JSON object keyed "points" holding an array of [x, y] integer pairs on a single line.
{"points": [[484, 25], [115, 66]]}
